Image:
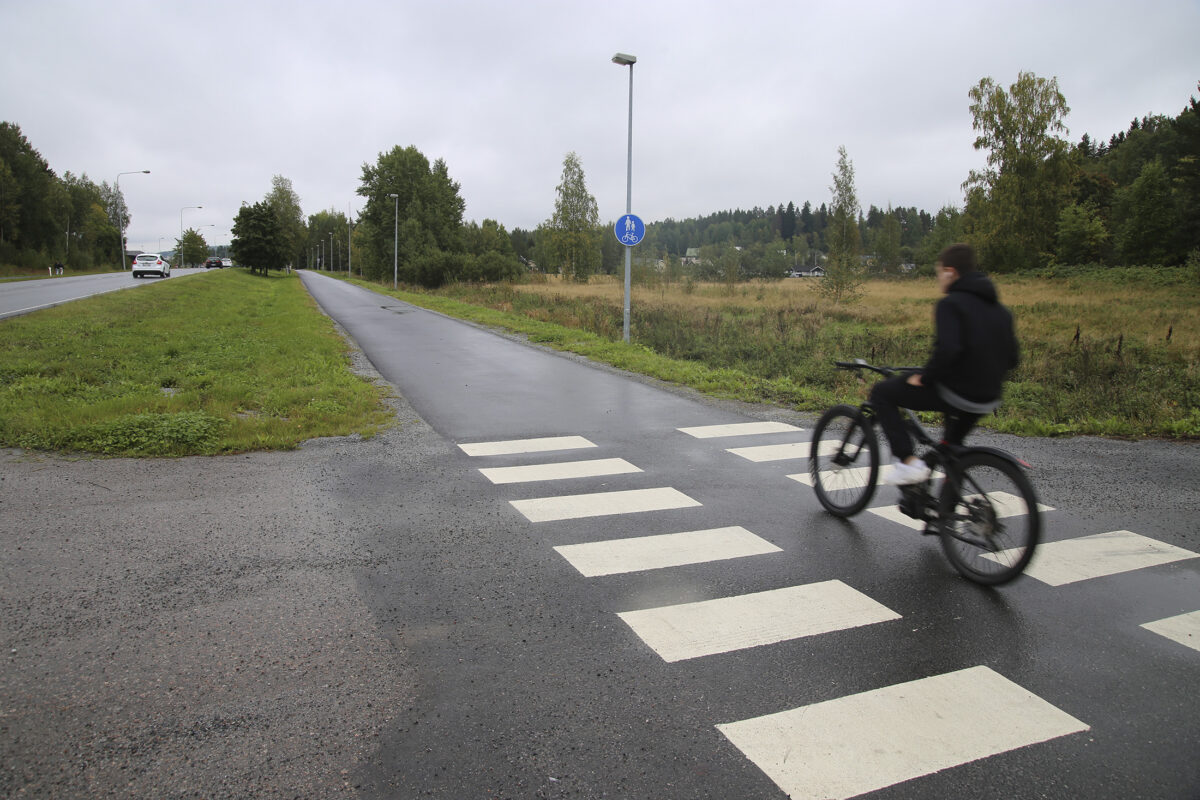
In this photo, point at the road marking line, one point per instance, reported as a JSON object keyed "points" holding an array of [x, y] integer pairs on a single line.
{"points": [[1006, 504], [739, 429], [667, 550], [860, 743], [1184, 629], [560, 471], [853, 478], [1071, 560], [599, 504], [516, 446], [699, 629], [782, 452]]}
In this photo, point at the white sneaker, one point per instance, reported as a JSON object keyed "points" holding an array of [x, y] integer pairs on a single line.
{"points": [[905, 474]]}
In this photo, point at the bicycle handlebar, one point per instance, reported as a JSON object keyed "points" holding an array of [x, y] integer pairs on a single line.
{"points": [[858, 363]]}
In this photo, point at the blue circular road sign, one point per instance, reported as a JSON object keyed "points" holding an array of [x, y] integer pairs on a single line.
{"points": [[630, 230]]}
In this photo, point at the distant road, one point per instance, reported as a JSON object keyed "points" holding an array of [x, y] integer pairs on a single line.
{"points": [[23, 297]]}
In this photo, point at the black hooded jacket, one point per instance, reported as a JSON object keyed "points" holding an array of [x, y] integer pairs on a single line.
{"points": [[974, 343]]}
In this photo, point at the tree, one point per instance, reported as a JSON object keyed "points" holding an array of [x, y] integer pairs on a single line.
{"points": [[1013, 206], [574, 229], [190, 248], [843, 269], [1147, 211], [887, 243], [427, 208], [285, 204], [257, 242], [1082, 236]]}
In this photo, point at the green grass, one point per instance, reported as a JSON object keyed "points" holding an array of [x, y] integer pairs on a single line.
{"points": [[225, 363]]}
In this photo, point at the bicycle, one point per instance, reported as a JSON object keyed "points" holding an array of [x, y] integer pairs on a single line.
{"points": [[986, 512]]}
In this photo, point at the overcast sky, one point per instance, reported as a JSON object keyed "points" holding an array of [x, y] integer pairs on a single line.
{"points": [[735, 104]]}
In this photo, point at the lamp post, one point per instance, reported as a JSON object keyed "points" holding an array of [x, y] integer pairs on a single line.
{"points": [[179, 255], [625, 60], [331, 251], [120, 218], [396, 242]]}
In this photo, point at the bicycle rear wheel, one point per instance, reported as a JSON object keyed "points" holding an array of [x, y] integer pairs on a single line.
{"points": [[989, 518], [843, 463]]}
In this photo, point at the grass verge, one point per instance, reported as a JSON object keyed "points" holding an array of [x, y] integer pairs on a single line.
{"points": [[188, 366]]}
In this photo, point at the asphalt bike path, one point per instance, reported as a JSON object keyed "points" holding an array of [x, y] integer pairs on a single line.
{"points": [[618, 590]]}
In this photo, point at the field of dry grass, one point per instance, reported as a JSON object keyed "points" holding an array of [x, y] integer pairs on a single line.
{"points": [[1105, 353]]}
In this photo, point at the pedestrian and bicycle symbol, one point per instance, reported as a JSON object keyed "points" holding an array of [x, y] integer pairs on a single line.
{"points": [[629, 230]]}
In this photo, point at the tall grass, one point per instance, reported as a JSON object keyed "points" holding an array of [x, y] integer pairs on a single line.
{"points": [[1104, 352], [207, 364]]}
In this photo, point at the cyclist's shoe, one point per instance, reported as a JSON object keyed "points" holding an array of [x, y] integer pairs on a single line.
{"points": [[905, 474]]}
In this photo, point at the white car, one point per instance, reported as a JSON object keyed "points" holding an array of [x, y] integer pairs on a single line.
{"points": [[151, 263]]}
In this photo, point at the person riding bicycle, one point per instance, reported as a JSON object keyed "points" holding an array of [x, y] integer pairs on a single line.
{"points": [[974, 348]]}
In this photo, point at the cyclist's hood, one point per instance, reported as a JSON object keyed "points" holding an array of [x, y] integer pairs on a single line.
{"points": [[978, 284]]}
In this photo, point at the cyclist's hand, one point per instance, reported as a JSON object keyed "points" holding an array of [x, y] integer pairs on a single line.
{"points": [[915, 379]]}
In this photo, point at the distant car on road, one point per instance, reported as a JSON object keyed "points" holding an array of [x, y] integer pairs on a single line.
{"points": [[227, 262], [214, 262], [151, 263]]}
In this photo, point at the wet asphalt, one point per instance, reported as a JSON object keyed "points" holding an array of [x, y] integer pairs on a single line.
{"points": [[374, 619]]}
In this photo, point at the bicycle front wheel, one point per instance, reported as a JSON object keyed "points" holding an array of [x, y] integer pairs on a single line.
{"points": [[843, 463], [989, 518]]}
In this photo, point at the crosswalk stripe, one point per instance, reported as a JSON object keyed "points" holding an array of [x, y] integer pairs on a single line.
{"points": [[864, 742], [1184, 629], [782, 452], [852, 478], [599, 504], [667, 550], [739, 429], [691, 630], [559, 471], [1071, 560], [517, 446]]}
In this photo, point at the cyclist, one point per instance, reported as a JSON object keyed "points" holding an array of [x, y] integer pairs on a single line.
{"points": [[974, 347]]}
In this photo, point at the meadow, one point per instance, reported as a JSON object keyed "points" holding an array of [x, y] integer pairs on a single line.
{"points": [[1107, 352], [220, 364]]}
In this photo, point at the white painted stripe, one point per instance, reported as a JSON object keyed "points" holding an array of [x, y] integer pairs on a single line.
{"points": [[864, 742], [840, 479], [1184, 629], [559, 471], [668, 550], [698, 629], [1071, 560], [739, 429], [515, 446], [547, 509], [782, 452], [1006, 504]]}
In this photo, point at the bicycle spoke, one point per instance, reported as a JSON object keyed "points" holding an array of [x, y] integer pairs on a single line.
{"points": [[992, 523]]}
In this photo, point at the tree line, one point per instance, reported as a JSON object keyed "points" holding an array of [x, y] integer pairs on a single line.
{"points": [[1133, 199], [45, 219]]}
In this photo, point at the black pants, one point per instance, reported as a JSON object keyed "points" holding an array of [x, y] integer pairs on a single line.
{"points": [[891, 395]]}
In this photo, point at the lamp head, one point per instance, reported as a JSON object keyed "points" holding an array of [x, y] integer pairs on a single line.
{"points": [[624, 59]]}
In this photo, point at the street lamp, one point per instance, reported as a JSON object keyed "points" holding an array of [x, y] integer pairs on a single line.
{"points": [[396, 242], [121, 219], [625, 60], [331, 251], [179, 255]]}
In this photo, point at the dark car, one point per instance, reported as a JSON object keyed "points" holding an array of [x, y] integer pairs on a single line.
{"points": [[214, 262]]}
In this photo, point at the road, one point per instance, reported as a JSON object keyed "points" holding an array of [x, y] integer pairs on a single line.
{"points": [[555, 579], [23, 296]]}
